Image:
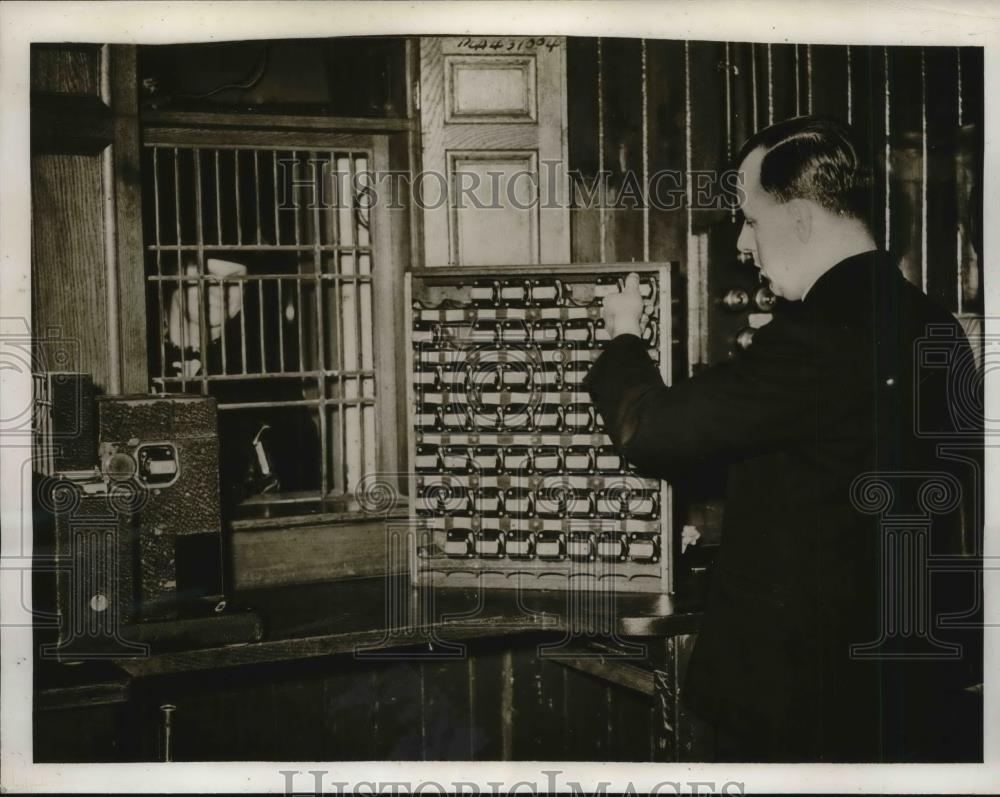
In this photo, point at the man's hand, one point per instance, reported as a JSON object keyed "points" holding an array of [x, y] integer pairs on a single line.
{"points": [[625, 313]]}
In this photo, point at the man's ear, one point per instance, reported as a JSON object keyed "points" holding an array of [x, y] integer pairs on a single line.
{"points": [[801, 214]]}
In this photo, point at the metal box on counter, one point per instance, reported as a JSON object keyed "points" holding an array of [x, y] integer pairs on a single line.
{"points": [[167, 446]]}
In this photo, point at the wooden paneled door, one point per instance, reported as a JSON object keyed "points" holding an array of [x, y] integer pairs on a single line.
{"points": [[493, 123]]}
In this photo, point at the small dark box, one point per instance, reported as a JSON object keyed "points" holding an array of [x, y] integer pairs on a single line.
{"points": [[168, 447], [64, 425], [96, 578]]}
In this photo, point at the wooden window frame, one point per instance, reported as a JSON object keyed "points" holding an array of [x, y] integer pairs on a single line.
{"points": [[251, 130]]}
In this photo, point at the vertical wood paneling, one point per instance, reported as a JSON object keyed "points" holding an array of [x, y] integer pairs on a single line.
{"points": [[969, 169], [668, 170], [622, 66], [66, 69], [906, 172], [300, 716], [629, 723], [785, 81], [398, 716], [486, 703], [127, 216], [447, 710], [349, 702], [667, 217], [87, 273], [549, 698], [708, 145], [867, 93], [644, 122], [743, 73], [695, 735], [713, 232], [582, 79], [585, 718], [829, 80], [529, 706], [942, 194], [68, 290]]}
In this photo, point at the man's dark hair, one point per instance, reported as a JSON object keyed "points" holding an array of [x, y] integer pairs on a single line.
{"points": [[817, 158]]}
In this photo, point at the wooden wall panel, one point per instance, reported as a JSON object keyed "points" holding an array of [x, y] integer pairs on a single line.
{"points": [[828, 79], [623, 148], [968, 174], [784, 82], [398, 714], [943, 256], [868, 94], [667, 151], [740, 93], [86, 238], [127, 244], [586, 717], [667, 159], [447, 710], [69, 289], [704, 98], [629, 725], [712, 232], [906, 176], [349, 699], [489, 702], [707, 118], [738, 88], [583, 67], [502, 702], [66, 69], [529, 705]]}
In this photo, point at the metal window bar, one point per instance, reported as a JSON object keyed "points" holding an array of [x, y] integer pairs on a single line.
{"points": [[161, 329], [315, 195], [277, 222], [366, 318], [218, 201], [181, 285], [339, 429], [203, 300], [336, 325], [256, 193], [236, 187]]}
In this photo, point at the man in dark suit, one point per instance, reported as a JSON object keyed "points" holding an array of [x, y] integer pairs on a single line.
{"points": [[820, 640]]}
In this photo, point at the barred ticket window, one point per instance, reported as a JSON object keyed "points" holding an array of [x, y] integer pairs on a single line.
{"points": [[260, 264]]}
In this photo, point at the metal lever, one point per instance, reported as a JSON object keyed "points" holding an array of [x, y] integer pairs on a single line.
{"points": [[166, 748]]}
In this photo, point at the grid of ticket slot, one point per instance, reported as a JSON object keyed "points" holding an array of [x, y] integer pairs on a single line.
{"points": [[513, 469]]}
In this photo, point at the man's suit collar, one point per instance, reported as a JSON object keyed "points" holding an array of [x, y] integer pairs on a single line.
{"points": [[850, 279]]}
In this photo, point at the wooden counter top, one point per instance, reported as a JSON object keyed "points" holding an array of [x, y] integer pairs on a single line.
{"points": [[372, 617]]}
